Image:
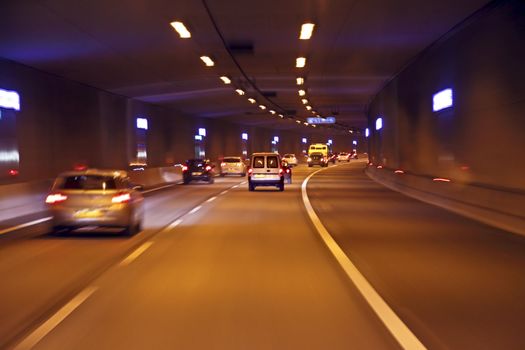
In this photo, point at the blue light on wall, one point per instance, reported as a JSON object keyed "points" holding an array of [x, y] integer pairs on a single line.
{"points": [[304, 140], [142, 123], [244, 136], [202, 132], [276, 139], [379, 123], [367, 132], [198, 137], [9, 99], [354, 142], [442, 99], [330, 141]]}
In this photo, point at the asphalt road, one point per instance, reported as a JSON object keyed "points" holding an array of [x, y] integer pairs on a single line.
{"points": [[219, 267]]}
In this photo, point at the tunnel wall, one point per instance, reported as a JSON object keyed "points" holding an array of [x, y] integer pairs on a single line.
{"points": [[480, 140], [63, 123]]}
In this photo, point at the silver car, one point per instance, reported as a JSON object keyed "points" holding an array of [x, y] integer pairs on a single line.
{"points": [[233, 166], [102, 198], [290, 159]]}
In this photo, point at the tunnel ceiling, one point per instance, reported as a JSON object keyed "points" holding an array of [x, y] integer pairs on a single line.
{"points": [[129, 48]]}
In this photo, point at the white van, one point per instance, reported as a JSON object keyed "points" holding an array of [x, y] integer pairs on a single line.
{"points": [[265, 170], [318, 148]]}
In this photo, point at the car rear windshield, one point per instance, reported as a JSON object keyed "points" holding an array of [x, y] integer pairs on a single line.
{"points": [[258, 162], [88, 182], [232, 160], [272, 162]]}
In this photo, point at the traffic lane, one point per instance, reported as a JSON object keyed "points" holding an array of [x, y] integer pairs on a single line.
{"points": [[246, 271], [457, 283], [42, 270]]}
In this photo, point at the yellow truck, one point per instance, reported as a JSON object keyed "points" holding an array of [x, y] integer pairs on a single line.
{"points": [[318, 148]]}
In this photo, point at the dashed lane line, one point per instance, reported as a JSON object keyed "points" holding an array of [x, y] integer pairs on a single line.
{"points": [[27, 224], [136, 253]]}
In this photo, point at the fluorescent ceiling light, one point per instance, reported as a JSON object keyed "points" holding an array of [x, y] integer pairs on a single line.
{"points": [[305, 123], [309, 108], [252, 100], [142, 123], [300, 81], [240, 91], [271, 111], [300, 62], [305, 101], [263, 107], [306, 31], [184, 33], [226, 80], [302, 92], [207, 61], [298, 121], [280, 115]]}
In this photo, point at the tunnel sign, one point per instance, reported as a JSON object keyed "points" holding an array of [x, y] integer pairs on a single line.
{"points": [[9, 100], [442, 100], [327, 120]]}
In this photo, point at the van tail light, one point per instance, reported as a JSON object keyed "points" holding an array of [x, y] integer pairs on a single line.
{"points": [[208, 168], [184, 168], [55, 198], [223, 164], [250, 171], [120, 198]]}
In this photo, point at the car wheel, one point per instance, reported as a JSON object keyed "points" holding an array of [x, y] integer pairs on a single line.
{"points": [[186, 181], [243, 174], [281, 186], [130, 230], [222, 174], [251, 187], [211, 180], [309, 165], [60, 230]]}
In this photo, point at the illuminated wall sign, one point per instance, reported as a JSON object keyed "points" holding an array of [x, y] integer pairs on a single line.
{"points": [[304, 140], [202, 132], [244, 136], [354, 142], [327, 120], [442, 100], [142, 123], [198, 137], [276, 138], [330, 141], [9, 99], [379, 123], [367, 132]]}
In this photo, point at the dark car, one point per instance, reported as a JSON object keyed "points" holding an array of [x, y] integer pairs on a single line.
{"points": [[317, 159], [198, 170]]}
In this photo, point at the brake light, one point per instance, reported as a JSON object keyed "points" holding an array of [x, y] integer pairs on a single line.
{"points": [[309, 159], [13, 172], [184, 168], [250, 171], [55, 198], [208, 168], [121, 198], [223, 164], [281, 171]]}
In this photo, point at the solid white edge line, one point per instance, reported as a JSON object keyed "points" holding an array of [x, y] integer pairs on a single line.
{"points": [[31, 223], [135, 254], [158, 188], [392, 322], [223, 192], [44, 329], [211, 199]]}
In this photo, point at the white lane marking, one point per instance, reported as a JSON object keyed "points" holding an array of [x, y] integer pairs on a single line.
{"points": [[44, 329], [194, 210], [211, 199], [235, 186], [244, 182], [223, 192], [158, 188], [136, 253], [393, 323], [27, 224], [175, 223]]}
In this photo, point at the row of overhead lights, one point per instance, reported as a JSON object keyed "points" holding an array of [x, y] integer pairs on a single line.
{"points": [[306, 33]]}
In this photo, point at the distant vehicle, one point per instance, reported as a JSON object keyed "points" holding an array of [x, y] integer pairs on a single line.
{"points": [[353, 155], [265, 170], [317, 159], [290, 159], [91, 197], [343, 157], [197, 170], [318, 148], [233, 166], [332, 158]]}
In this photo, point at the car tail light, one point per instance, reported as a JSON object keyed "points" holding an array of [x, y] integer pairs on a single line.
{"points": [[120, 198], [223, 164], [281, 171], [55, 198], [208, 168], [309, 159], [250, 171], [184, 168], [13, 172]]}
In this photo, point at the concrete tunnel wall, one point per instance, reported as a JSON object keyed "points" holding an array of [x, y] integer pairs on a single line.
{"points": [[63, 122], [479, 142]]}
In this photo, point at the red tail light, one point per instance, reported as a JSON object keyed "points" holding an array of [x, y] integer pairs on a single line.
{"points": [[184, 168], [208, 168], [281, 171], [120, 198], [223, 164], [55, 198], [13, 172], [250, 171], [287, 170]]}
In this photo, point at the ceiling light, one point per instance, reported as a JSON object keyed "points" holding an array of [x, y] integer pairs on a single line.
{"points": [[240, 91], [306, 31], [309, 108], [181, 29], [298, 121], [226, 80], [305, 123], [207, 61], [302, 92], [263, 107], [280, 115], [314, 112], [305, 101], [300, 62], [271, 111], [300, 81], [252, 100]]}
